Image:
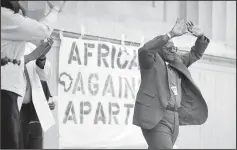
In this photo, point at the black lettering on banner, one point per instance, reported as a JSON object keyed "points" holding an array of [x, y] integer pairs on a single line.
{"points": [[128, 86], [79, 81], [121, 66], [93, 87], [99, 115], [70, 107], [128, 106], [134, 60], [109, 86], [113, 112], [83, 111], [120, 87], [72, 57], [87, 54], [113, 56], [103, 55]]}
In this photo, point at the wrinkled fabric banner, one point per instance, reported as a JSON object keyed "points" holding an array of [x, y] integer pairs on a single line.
{"points": [[98, 82]]}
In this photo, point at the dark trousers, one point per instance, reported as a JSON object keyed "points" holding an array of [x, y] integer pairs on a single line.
{"points": [[165, 133], [31, 130], [9, 120]]}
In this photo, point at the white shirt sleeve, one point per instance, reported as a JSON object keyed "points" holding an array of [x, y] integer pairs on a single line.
{"points": [[44, 74], [17, 27]]}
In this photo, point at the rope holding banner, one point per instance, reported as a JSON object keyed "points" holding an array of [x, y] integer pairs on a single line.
{"points": [[82, 31], [124, 49], [61, 33]]}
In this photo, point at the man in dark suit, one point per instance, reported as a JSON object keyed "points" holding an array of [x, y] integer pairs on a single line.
{"points": [[168, 96]]}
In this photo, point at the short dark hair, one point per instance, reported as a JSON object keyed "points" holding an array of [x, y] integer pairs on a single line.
{"points": [[13, 5]]}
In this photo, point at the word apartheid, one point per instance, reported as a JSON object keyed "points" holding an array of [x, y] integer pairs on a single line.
{"points": [[98, 113]]}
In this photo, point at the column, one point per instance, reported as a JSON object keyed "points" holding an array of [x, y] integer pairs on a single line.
{"points": [[171, 11], [192, 11], [231, 22], [205, 17], [183, 10], [219, 20]]}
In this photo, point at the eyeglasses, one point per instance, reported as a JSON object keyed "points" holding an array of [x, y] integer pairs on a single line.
{"points": [[171, 49]]}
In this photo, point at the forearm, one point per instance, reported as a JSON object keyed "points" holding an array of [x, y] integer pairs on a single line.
{"points": [[17, 27], [201, 44], [196, 52], [157, 43], [49, 21], [147, 52]]}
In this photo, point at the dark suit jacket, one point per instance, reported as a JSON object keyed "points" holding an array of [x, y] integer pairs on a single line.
{"points": [[153, 94]]}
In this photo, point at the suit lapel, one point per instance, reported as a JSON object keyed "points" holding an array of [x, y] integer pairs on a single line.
{"points": [[184, 70], [181, 68]]}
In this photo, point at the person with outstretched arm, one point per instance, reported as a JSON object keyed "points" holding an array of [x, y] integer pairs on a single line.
{"points": [[16, 30], [37, 73], [168, 96]]}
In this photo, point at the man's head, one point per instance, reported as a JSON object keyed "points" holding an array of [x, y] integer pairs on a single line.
{"points": [[168, 52]]}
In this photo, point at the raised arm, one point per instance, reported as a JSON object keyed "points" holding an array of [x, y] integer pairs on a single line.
{"points": [[14, 26], [199, 47], [146, 54], [42, 65], [39, 51]]}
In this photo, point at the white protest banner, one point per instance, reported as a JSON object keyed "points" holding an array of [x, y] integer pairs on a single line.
{"points": [[98, 83]]}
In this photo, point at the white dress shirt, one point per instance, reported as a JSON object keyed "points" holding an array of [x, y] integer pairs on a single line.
{"points": [[16, 30], [44, 74]]}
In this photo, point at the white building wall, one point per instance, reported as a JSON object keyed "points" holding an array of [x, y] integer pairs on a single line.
{"points": [[215, 78]]}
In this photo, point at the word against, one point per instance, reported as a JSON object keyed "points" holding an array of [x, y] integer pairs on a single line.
{"points": [[103, 85]]}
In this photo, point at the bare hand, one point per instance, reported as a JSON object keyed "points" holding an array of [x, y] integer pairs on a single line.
{"points": [[51, 104], [50, 43], [58, 4], [179, 28], [194, 29]]}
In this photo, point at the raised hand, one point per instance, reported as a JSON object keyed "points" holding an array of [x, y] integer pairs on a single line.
{"points": [[59, 5], [194, 29], [179, 28], [50, 43]]}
